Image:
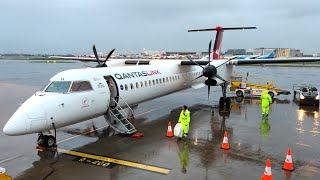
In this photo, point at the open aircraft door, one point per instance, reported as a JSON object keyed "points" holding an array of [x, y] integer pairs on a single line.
{"points": [[113, 88]]}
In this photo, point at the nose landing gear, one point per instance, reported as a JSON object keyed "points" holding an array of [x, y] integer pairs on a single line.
{"points": [[47, 141]]}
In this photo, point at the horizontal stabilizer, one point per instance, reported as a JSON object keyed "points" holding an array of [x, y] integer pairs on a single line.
{"points": [[220, 28]]}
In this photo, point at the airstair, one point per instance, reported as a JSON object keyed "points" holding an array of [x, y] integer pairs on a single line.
{"points": [[118, 117]]}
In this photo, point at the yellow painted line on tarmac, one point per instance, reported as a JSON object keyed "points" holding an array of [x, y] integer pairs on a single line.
{"points": [[117, 161], [94, 130]]}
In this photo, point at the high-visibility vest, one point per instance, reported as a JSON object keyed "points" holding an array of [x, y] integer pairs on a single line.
{"points": [[184, 117]]}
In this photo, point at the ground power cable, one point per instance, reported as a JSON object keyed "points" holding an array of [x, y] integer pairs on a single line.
{"points": [[56, 153]]}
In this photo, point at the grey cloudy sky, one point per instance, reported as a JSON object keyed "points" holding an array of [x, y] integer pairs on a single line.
{"points": [[72, 26]]}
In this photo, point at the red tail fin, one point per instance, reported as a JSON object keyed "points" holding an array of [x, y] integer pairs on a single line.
{"points": [[217, 44]]}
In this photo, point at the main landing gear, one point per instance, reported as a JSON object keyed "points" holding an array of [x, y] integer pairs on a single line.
{"points": [[47, 141], [224, 101]]}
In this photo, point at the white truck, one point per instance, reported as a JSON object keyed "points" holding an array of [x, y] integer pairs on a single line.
{"points": [[308, 95]]}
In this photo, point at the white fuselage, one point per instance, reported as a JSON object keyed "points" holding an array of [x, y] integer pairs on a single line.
{"points": [[134, 84]]}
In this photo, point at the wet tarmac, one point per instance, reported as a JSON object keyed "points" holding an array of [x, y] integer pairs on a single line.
{"points": [[252, 139]]}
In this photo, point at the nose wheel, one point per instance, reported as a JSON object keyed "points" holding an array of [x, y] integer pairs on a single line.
{"points": [[47, 141]]}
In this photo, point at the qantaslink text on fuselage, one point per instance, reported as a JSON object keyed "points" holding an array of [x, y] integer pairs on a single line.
{"points": [[136, 74]]}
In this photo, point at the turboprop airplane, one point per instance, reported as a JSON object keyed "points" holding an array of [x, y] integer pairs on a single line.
{"points": [[77, 95]]}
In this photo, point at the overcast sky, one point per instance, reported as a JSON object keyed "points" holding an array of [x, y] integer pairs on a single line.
{"points": [[72, 26]]}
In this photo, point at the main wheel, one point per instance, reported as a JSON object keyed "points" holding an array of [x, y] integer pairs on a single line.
{"points": [[239, 93], [271, 94], [228, 102], [221, 102]]}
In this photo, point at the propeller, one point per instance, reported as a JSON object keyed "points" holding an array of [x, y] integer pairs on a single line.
{"points": [[210, 71], [97, 57]]}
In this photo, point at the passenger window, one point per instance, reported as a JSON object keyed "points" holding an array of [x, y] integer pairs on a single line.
{"points": [[126, 87], [78, 86], [164, 80], [160, 81], [150, 83], [153, 82], [131, 85], [170, 79], [157, 81], [141, 84], [137, 85], [167, 79], [145, 83]]}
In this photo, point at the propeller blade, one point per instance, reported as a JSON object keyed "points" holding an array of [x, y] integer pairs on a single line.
{"points": [[194, 62], [209, 51], [110, 53], [208, 91], [224, 63], [197, 77], [96, 54], [219, 77]]}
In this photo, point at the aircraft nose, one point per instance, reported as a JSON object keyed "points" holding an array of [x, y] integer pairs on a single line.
{"points": [[16, 125]]}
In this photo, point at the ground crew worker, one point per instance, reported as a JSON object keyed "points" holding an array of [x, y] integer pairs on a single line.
{"points": [[184, 157], [184, 119], [265, 103]]}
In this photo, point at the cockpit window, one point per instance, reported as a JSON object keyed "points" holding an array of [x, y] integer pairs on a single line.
{"points": [[78, 86], [58, 87]]}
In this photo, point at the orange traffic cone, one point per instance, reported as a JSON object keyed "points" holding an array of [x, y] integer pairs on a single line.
{"points": [[225, 143], [267, 172], [169, 131], [288, 165]]}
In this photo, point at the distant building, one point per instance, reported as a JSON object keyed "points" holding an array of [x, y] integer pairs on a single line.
{"points": [[236, 52], [288, 52], [281, 52]]}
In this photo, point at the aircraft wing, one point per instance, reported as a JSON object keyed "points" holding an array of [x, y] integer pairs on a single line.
{"points": [[272, 61], [75, 58]]}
